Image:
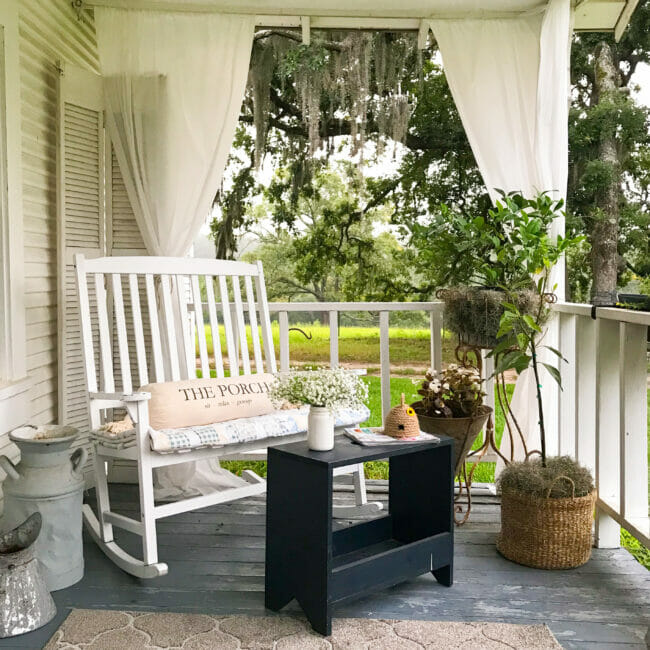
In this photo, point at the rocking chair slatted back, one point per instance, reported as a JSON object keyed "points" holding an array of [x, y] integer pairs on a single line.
{"points": [[151, 314]]}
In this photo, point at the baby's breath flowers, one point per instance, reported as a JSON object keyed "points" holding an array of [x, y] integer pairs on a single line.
{"points": [[453, 393], [331, 388]]}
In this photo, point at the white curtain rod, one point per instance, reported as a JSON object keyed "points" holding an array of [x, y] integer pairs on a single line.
{"points": [[316, 21]]}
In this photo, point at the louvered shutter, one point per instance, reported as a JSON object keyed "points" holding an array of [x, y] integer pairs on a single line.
{"points": [[81, 226], [123, 233]]}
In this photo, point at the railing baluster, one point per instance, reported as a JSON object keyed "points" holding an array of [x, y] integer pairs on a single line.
{"points": [[568, 403], [384, 361], [488, 370], [634, 422], [608, 431], [283, 324], [550, 389], [435, 338], [586, 382], [334, 338]]}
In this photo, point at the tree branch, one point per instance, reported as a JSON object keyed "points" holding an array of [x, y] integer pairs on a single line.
{"points": [[297, 37], [292, 109], [299, 287]]}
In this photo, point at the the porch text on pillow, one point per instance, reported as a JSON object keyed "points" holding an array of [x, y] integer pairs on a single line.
{"points": [[196, 402]]}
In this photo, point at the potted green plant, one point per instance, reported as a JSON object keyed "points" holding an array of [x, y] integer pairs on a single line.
{"points": [[474, 258], [452, 405], [546, 503]]}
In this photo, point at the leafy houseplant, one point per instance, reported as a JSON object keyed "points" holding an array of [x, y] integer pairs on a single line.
{"points": [[477, 257], [547, 503], [452, 405], [324, 391]]}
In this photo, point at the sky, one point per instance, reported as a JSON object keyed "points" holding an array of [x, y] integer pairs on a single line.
{"points": [[642, 78]]}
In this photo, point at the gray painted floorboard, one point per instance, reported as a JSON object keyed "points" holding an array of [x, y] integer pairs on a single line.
{"points": [[216, 565]]}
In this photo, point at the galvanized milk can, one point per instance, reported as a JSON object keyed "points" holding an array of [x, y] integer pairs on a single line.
{"points": [[48, 480]]}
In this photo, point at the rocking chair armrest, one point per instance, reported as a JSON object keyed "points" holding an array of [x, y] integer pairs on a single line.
{"points": [[120, 397]]}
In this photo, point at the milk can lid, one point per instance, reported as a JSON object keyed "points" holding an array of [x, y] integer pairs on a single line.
{"points": [[44, 433]]}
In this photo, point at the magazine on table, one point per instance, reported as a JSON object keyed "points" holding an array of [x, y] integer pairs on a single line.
{"points": [[374, 436]]}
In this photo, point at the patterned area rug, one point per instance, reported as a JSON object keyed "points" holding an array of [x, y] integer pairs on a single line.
{"points": [[111, 630]]}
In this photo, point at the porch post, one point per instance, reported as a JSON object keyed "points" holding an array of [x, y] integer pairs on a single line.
{"points": [[12, 282]]}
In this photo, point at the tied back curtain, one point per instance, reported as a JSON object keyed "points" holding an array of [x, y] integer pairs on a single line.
{"points": [[173, 89], [510, 81], [173, 86]]}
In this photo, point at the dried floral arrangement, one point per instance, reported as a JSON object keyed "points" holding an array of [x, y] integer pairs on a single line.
{"points": [[453, 393], [330, 388]]}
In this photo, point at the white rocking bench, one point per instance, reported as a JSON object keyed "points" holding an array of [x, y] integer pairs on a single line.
{"points": [[140, 318]]}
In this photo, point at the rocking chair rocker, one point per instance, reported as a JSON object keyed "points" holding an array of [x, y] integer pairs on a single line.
{"points": [[152, 309]]}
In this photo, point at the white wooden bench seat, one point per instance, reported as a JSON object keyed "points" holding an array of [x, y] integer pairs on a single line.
{"points": [[143, 320]]}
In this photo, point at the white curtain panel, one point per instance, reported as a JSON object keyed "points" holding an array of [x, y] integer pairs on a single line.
{"points": [[510, 80], [174, 84]]}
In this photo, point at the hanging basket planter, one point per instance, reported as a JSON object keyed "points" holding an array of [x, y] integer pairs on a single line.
{"points": [[464, 431], [546, 533], [474, 313]]}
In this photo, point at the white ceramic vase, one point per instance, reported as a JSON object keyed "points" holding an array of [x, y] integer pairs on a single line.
{"points": [[320, 428]]}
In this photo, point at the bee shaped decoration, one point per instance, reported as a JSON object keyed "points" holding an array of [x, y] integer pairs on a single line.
{"points": [[401, 421]]}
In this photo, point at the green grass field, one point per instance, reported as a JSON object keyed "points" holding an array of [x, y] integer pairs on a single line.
{"points": [[356, 344]]}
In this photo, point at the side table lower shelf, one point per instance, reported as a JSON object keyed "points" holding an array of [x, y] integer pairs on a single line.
{"points": [[386, 562]]}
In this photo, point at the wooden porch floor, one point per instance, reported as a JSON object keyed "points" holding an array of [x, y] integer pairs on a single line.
{"points": [[216, 565]]}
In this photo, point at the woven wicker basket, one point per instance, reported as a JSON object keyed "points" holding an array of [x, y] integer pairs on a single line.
{"points": [[546, 533]]}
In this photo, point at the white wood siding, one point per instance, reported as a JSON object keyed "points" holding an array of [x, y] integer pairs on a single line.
{"points": [[48, 32]]}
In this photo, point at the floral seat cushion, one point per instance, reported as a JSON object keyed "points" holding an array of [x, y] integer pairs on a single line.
{"points": [[273, 425]]}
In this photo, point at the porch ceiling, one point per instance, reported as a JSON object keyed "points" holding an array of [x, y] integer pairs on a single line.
{"points": [[590, 15]]}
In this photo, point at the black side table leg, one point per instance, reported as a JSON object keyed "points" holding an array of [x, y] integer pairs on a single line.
{"points": [[318, 613], [279, 583], [421, 502], [276, 597], [299, 518], [445, 575]]}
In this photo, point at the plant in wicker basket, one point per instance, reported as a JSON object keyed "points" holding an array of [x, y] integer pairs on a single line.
{"points": [[547, 503], [546, 513]]}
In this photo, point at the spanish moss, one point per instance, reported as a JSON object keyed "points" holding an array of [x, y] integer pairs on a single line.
{"points": [[345, 78]]}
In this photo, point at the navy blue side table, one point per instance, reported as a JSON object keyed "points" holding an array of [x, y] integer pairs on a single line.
{"points": [[321, 564]]}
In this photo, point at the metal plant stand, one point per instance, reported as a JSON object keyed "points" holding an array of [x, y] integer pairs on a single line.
{"points": [[463, 498]]}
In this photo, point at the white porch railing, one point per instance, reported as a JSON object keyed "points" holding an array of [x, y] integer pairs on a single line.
{"points": [[384, 309], [602, 414], [601, 411], [333, 309]]}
